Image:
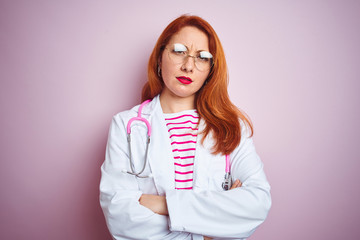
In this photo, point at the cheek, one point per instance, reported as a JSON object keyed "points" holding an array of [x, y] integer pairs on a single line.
{"points": [[167, 69], [203, 76]]}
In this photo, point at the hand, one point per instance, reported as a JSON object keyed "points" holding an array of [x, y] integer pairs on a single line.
{"points": [[236, 184], [155, 203], [207, 238]]}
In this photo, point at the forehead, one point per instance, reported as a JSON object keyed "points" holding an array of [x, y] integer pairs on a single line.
{"points": [[191, 37]]}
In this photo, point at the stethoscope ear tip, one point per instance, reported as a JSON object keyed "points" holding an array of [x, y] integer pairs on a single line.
{"points": [[124, 171]]}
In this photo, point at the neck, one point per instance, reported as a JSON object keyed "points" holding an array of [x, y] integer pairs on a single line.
{"points": [[174, 104]]}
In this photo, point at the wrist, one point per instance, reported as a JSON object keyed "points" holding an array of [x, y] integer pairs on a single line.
{"points": [[163, 208]]}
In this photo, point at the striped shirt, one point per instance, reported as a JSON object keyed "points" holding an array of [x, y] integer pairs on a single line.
{"points": [[183, 129]]}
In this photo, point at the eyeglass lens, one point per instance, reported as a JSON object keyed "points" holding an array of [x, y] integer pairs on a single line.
{"points": [[179, 54]]}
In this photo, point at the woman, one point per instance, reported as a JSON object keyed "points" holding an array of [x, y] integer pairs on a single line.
{"points": [[180, 194]]}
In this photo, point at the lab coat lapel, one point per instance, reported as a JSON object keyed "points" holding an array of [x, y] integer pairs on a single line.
{"points": [[202, 160], [160, 153]]}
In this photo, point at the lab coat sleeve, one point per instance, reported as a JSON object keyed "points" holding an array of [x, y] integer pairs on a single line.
{"points": [[233, 214], [119, 196]]}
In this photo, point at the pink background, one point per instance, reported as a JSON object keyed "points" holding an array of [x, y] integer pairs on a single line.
{"points": [[67, 66]]}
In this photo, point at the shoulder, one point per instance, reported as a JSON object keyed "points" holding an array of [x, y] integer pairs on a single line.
{"points": [[246, 130], [146, 111]]}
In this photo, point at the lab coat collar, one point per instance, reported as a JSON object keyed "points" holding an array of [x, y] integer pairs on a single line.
{"points": [[201, 161], [160, 152]]}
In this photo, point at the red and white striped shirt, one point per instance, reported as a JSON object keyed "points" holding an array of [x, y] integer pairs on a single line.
{"points": [[183, 129]]}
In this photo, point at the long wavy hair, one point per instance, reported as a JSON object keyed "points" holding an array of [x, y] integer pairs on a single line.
{"points": [[212, 100]]}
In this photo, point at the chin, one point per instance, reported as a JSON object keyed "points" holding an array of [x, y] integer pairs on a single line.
{"points": [[183, 94]]}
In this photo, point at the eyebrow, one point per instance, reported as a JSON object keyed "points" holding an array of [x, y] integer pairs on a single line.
{"points": [[188, 48]]}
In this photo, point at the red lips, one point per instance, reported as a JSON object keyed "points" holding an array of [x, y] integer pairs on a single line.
{"points": [[184, 80]]}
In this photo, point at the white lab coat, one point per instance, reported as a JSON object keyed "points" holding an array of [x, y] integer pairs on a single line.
{"points": [[206, 210]]}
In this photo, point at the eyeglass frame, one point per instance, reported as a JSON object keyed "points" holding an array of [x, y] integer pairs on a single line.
{"points": [[194, 57]]}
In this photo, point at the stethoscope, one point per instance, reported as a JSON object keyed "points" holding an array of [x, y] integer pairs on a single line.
{"points": [[227, 178]]}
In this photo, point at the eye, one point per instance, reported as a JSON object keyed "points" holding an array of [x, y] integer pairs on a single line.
{"points": [[179, 48], [205, 56]]}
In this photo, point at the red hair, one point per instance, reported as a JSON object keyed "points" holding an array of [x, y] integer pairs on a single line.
{"points": [[212, 100]]}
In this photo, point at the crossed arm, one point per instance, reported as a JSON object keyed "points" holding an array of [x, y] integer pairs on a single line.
{"points": [[158, 205]]}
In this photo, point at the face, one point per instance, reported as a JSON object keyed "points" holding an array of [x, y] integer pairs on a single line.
{"points": [[183, 78]]}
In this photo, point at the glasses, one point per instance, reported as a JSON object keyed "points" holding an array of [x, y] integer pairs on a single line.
{"points": [[179, 54]]}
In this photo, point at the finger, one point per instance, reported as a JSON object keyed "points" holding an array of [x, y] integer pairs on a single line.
{"points": [[235, 184]]}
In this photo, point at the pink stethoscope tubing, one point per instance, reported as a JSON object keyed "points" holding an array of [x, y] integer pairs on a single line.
{"points": [[226, 185], [139, 118], [128, 131], [227, 179]]}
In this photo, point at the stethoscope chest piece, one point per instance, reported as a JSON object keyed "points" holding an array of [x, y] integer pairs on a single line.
{"points": [[226, 185]]}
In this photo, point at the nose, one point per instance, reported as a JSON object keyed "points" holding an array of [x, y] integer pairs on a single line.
{"points": [[188, 64]]}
